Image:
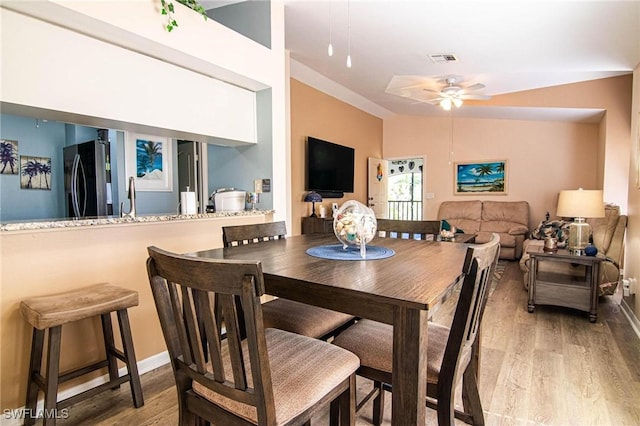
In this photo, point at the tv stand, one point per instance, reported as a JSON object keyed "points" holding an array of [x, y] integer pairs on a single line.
{"points": [[331, 194]]}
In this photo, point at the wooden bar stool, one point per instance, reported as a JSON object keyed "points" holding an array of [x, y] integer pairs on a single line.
{"points": [[50, 313]]}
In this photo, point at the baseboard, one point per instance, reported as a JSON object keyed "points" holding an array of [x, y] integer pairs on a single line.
{"points": [[14, 417], [631, 316]]}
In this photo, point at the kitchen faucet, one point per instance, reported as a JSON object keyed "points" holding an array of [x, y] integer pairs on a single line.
{"points": [[131, 195]]}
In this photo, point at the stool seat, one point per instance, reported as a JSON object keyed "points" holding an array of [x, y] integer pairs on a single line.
{"points": [[47, 314], [49, 311]]}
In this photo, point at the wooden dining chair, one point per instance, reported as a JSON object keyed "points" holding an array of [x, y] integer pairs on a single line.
{"points": [[282, 313], [271, 377], [408, 229], [452, 352]]}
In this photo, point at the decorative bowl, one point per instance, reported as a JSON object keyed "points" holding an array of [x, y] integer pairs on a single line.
{"points": [[354, 223]]}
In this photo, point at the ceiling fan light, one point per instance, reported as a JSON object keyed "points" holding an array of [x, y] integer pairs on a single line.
{"points": [[446, 104], [457, 102]]}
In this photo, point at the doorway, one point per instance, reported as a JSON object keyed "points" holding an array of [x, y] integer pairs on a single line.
{"points": [[405, 189], [395, 188], [189, 175]]}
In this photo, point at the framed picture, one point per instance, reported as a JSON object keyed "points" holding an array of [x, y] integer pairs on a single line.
{"points": [[8, 157], [148, 158], [35, 172], [480, 177]]}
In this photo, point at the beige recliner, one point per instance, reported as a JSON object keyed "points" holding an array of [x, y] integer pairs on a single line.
{"points": [[608, 236]]}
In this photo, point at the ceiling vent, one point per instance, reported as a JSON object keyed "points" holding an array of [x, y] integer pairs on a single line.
{"points": [[442, 58]]}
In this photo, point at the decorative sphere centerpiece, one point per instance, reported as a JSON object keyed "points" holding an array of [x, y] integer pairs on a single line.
{"points": [[354, 225]]}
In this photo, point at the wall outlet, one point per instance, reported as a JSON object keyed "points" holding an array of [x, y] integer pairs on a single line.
{"points": [[257, 186], [625, 287]]}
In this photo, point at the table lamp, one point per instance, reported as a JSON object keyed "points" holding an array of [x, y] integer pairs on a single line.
{"points": [[313, 198], [580, 204]]}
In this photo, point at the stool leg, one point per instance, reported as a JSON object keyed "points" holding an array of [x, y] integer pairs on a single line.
{"points": [[37, 343], [130, 355], [53, 372], [109, 347]]}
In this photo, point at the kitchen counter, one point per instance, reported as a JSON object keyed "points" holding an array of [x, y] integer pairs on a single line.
{"points": [[110, 220]]}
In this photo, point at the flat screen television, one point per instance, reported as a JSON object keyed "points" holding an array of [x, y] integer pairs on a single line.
{"points": [[330, 168]]}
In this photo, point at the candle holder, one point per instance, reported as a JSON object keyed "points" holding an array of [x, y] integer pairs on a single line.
{"points": [[253, 198]]}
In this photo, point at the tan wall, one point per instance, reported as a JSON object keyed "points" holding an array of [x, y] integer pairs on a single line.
{"points": [[611, 94], [316, 114], [50, 261], [632, 267], [543, 157]]}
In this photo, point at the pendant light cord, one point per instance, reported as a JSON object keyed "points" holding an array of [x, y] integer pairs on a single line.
{"points": [[348, 34]]}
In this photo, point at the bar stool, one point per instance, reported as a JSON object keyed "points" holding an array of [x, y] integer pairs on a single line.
{"points": [[50, 313]]}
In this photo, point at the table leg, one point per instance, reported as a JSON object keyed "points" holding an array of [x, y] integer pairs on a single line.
{"points": [[409, 366], [533, 270], [595, 275]]}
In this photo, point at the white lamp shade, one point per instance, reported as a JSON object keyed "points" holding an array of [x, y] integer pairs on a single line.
{"points": [[580, 203]]}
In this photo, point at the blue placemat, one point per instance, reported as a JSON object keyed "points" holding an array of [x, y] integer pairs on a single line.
{"points": [[336, 252]]}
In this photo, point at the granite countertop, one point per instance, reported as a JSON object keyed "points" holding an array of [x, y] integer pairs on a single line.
{"points": [[110, 220]]}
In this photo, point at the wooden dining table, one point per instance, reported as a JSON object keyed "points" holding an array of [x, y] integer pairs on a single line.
{"points": [[402, 290]]}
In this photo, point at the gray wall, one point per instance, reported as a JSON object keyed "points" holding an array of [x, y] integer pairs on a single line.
{"points": [[250, 18], [48, 140], [45, 140], [238, 167]]}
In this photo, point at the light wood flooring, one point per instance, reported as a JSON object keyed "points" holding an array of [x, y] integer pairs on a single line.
{"points": [[551, 367]]}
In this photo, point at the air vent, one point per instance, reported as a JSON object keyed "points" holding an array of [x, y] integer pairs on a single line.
{"points": [[441, 58]]}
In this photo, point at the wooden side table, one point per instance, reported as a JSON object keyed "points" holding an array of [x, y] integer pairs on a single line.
{"points": [[554, 287], [317, 225]]}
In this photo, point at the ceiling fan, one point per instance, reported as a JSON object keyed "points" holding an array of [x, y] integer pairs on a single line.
{"points": [[447, 91]]}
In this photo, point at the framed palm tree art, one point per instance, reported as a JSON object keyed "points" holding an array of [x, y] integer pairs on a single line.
{"points": [[9, 157], [148, 159], [35, 172], [486, 177]]}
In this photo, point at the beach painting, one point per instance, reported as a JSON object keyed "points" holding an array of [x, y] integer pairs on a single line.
{"points": [[148, 158], [487, 177]]}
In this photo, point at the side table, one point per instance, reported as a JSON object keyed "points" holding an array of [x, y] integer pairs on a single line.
{"points": [[549, 287]]}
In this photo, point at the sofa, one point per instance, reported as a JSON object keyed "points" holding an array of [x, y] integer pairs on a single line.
{"points": [[607, 235], [510, 219]]}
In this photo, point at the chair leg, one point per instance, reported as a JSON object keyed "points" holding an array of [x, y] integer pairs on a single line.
{"points": [[343, 408], [109, 347], [378, 405], [130, 356], [471, 397], [53, 373], [37, 344]]}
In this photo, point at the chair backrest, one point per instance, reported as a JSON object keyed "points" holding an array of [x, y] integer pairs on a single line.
{"points": [[254, 233], [185, 290], [478, 269], [408, 229]]}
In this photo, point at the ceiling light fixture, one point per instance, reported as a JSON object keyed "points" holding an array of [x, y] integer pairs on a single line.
{"points": [[330, 48], [447, 102], [348, 34]]}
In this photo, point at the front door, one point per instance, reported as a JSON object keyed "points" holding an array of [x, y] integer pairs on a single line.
{"points": [[378, 178]]}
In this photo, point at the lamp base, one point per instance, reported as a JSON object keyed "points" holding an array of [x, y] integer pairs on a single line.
{"points": [[579, 232]]}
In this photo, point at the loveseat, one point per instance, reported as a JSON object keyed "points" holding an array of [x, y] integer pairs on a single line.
{"points": [[607, 235], [510, 219]]}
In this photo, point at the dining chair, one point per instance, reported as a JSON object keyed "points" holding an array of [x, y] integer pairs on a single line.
{"points": [[408, 229], [270, 377], [452, 352], [286, 314]]}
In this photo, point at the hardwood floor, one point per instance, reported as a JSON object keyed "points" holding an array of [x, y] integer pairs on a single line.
{"points": [[551, 367]]}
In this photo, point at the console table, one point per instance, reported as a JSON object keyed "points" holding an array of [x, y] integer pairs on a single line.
{"points": [[549, 287]]}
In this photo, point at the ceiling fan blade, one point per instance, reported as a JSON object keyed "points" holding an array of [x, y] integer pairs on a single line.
{"points": [[473, 87], [475, 97]]}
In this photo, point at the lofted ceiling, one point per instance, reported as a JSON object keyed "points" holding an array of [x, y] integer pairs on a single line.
{"points": [[509, 46]]}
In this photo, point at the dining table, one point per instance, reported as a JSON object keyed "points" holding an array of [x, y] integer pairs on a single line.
{"points": [[402, 290]]}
